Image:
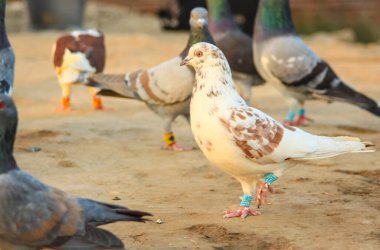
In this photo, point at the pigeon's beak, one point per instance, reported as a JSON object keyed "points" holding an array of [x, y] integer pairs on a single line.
{"points": [[185, 61], [201, 21]]}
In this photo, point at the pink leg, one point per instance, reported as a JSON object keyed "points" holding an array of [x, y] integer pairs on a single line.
{"points": [[177, 148], [261, 194], [242, 212]]}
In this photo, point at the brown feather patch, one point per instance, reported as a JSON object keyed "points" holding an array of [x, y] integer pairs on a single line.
{"points": [[256, 137], [144, 79]]}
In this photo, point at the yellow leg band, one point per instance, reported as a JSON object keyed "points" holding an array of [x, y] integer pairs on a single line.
{"points": [[169, 138]]}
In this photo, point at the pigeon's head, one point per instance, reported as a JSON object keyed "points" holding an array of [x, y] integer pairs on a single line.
{"points": [[198, 18], [201, 54], [8, 112]]}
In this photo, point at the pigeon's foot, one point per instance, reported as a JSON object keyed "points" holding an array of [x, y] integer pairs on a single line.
{"points": [[303, 121], [261, 194], [177, 148], [242, 212], [65, 105]]}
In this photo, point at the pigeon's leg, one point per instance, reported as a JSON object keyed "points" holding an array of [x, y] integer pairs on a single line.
{"points": [[293, 106], [66, 93], [261, 193], [302, 119], [96, 101], [245, 203], [169, 138]]}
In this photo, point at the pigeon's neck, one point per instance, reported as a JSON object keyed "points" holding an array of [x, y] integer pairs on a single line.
{"points": [[273, 19], [4, 42], [7, 138], [197, 35], [220, 17], [213, 83]]}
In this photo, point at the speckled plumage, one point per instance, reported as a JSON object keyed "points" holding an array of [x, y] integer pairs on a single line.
{"points": [[285, 61], [241, 140], [166, 88], [7, 57], [34, 215]]}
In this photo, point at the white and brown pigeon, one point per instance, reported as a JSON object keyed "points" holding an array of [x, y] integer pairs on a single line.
{"points": [[34, 215], [285, 61], [7, 57], [235, 44], [76, 56], [165, 88], [243, 141]]}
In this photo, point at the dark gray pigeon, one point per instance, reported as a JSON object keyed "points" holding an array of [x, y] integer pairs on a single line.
{"points": [[235, 44], [34, 215], [284, 60], [7, 57], [166, 88]]}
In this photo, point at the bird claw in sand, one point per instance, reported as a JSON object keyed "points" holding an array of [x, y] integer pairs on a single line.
{"points": [[175, 147], [62, 109], [243, 212], [261, 194], [301, 121]]}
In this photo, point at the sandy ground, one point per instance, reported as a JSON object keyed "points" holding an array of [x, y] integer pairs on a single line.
{"points": [[327, 204]]}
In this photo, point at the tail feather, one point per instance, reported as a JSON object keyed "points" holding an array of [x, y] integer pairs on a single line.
{"points": [[98, 213], [343, 92], [110, 85]]}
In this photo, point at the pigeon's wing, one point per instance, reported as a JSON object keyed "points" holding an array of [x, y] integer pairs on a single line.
{"points": [[111, 85], [34, 213], [261, 138], [164, 84], [98, 213], [7, 64], [237, 48], [295, 65]]}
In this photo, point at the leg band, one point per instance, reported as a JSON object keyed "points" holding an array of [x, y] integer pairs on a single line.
{"points": [[270, 178], [169, 138], [246, 201]]}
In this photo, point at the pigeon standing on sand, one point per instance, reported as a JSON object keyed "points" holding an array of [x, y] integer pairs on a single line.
{"points": [[7, 57], [75, 57], [165, 88], [34, 215], [243, 141], [284, 60], [235, 44]]}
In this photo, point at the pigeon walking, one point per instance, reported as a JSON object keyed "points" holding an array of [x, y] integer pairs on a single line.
{"points": [[75, 57], [284, 60], [34, 215], [165, 88], [7, 57], [243, 141], [235, 44]]}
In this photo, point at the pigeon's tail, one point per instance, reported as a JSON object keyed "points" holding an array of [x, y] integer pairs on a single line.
{"points": [[94, 238], [98, 213], [110, 85], [333, 146], [343, 92]]}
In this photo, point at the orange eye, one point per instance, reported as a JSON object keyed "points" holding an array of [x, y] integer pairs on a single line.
{"points": [[198, 53]]}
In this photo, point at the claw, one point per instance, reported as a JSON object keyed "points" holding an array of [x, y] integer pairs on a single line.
{"points": [[175, 147], [261, 194], [243, 212]]}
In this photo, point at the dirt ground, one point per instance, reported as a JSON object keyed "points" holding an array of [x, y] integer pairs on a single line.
{"points": [[326, 204]]}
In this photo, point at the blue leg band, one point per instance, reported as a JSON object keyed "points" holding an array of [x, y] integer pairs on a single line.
{"points": [[291, 116], [270, 178], [301, 112], [246, 201]]}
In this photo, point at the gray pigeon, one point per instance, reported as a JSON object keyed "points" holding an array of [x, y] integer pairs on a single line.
{"points": [[235, 44], [284, 60], [7, 57], [166, 88], [34, 215]]}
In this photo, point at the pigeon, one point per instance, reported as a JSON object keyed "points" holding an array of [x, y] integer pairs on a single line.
{"points": [[34, 215], [235, 44], [243, 141], [75, 57], [165, 88], [7, 56], [285, 61]]}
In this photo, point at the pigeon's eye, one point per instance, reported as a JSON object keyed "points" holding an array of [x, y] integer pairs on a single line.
{"points": [[198, 53], [2, 104]]}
